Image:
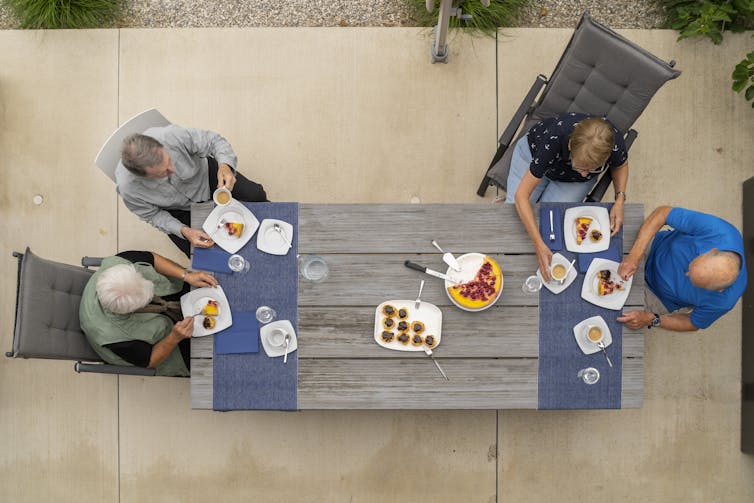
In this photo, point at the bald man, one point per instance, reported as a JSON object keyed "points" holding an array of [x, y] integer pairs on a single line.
{"points": [[695, 272]]}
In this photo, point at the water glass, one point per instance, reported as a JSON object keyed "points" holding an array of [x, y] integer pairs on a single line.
{"points": [[589, 375], [265, 314], [313, 268], [237, 263], [532, 284]]}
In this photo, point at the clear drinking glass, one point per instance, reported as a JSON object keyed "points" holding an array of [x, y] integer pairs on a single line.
{"points": [[589, 375], [265, 314], [532, 284], [313, 268], [238, 264]]}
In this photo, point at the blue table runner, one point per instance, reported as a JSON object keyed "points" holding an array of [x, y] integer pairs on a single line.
{"points": [[253, 380], [560, 357]]}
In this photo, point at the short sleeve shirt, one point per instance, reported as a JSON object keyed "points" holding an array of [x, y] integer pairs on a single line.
{"points": [[548, 142], [693, 234]]}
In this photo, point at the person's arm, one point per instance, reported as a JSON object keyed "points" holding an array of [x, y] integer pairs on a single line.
{"points": [[526, 214], [184, 329], [649, 228], [153, 215], [167, 267], [620, 180], [678, 322]]}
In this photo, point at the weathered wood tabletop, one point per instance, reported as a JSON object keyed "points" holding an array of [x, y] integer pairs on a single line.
{"points": [[491, 356]]}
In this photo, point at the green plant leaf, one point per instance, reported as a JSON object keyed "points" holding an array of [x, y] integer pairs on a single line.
{"points": [[750, 93]]}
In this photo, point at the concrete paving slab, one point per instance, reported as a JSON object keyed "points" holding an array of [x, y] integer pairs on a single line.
{"points": [[694, 149], [196, 456], [58, 91]]}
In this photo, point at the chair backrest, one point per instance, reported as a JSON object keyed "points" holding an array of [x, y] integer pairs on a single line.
{"points": [[602, 73], [109, 155], [47, 311]]}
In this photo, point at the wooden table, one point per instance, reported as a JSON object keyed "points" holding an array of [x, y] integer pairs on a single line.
{"points": [[491, 357]]}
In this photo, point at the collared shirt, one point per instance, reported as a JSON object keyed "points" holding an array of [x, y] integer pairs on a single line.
{"points": [[149, 198], [693, 234], [548, 142]]}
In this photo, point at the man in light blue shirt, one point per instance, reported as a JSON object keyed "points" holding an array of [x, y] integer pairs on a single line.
{"points": [[696, 270], [165, 169]]}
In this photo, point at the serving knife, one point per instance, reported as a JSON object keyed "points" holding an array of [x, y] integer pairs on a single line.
{"points": [[421, 268], [448, 258]]}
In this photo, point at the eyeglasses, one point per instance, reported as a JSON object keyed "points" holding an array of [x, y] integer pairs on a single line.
{"points": [[597, 171]]}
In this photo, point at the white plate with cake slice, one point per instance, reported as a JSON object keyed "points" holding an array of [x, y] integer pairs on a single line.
{"points": [[231, 226], [586, 229], [210, 310], [603, 287]]}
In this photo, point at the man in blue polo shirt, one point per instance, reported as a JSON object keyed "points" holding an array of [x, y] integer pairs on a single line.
{"points": [[696, 271]]}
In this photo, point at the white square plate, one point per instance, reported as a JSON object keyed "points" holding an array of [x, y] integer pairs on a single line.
{"points": [[580, 330], [589, 291], [194, 301], [273, 351], [271, 241], [600, 221], [232, 212], [429, 314], [554, 286]]}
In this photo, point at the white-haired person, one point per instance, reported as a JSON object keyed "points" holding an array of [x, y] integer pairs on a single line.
{"points": [[694, 273], [165, 169], [131, 315], [558, 161]]}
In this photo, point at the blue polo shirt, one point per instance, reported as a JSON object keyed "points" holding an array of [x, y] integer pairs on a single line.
{"points": [[672, 251]]}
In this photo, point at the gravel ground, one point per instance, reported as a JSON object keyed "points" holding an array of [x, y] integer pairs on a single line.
{"points": [[239, 13]]}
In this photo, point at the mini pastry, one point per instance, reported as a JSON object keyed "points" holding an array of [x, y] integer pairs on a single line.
{"points": [[417, 340], [209, 322], [388, 323], [403, 338], [595, 235], [389, 310], [402, 326], [430, 341], [403, 313], [387, 336], [417, 327]]}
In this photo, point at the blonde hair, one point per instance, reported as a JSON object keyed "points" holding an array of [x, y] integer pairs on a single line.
{"points": [[592, 141], [122, 290]]}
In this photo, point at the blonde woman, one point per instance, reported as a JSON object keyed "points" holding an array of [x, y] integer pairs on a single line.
{"points": [[559, 160]]}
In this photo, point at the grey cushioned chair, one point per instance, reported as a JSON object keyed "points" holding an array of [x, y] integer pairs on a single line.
{"points": [[600, 73], [47, 315]]}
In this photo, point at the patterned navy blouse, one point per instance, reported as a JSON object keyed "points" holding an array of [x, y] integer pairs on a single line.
{"points": [[548, 142]]}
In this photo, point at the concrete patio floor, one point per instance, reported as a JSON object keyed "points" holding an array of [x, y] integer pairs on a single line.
{"points": [[348, 115]]}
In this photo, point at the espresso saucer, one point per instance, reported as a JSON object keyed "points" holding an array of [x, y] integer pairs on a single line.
{"points": [[587, 346]]}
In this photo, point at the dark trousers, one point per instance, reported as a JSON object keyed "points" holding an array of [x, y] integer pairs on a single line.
{"points": [[243, 190]]}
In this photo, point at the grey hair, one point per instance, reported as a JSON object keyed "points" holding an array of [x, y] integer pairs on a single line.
{"points": [[122, 290], [140, 152]]}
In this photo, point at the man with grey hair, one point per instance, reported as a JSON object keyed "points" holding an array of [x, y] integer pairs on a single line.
{"points": [[694, 273], [165, 169]]}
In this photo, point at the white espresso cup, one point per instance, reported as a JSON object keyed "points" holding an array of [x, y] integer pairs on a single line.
{"points": [[222, 196], [558, 272], [594, 334], [277, 336]]}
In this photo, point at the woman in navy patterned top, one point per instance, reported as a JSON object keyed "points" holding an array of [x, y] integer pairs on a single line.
{"points": [[559, 160]]}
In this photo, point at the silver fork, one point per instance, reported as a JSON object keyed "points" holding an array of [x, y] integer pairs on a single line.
{"points": [[431, 357], [419, 297], [552, 231]]}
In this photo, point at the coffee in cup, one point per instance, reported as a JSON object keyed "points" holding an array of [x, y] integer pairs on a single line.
{"points": [[594, 334], [558, 271], [222, 196], [277, 336]]}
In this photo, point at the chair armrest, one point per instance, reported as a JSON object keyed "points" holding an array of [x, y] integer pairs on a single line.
{"points": [[104, 368], [91, 261], [523, 110]]}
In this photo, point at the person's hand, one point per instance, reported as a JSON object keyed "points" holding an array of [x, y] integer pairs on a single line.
{"points": [[200, 279], [184, 329], [197, 237], [628, 267], [636, 319], [544, 257], [225, 177], [616, 216]]}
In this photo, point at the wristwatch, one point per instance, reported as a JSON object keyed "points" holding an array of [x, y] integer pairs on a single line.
{"points": [[619, 193], [655, 321]]}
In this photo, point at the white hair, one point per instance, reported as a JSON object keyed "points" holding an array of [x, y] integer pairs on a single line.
{"points": [[122, 290]]}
